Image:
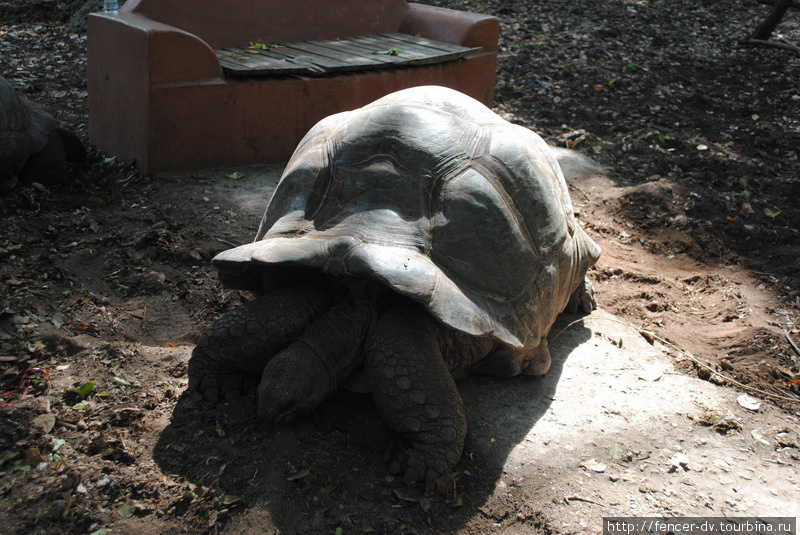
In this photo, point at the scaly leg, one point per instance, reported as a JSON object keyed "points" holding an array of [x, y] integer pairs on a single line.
{"points": [[415, 393], [231, 355], [305, 373]]}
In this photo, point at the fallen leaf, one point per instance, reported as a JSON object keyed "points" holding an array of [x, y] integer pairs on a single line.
{"points": [[84, 390], [129, 381], [127, 509], [407, 495], [33, 456], [22, 465], [299, 475], [45, 422], [619, 453], [327, 490]]}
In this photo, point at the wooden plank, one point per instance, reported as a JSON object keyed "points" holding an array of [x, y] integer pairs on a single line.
{"points": [[439, 45], [248, 60], [413, 54], [239, 63], [325, 56], [420, 50], [301, 57], [237, 66], [347, 46], [349, 61]]}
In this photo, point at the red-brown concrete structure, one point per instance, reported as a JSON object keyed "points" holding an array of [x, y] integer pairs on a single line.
{"points": [[158, 96]]}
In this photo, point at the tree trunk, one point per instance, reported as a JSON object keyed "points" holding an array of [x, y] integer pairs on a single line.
{"points": [[766, 28], [795, 4]]}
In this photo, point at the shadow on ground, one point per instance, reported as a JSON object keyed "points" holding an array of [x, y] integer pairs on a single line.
{"points": [[327, 471]]}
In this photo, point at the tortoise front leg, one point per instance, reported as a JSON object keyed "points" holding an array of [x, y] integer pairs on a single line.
{"points": [[230, 357], [415, 393], [304, 374]]}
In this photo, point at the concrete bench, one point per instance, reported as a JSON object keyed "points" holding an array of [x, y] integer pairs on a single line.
{"points": [[169, 86]]}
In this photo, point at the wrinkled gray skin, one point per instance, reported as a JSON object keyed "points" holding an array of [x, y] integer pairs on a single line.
{"points": [[32, 147], [408, 243]]}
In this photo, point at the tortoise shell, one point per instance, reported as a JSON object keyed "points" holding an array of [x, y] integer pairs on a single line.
{"points": [[24, 128], [435, 196]]}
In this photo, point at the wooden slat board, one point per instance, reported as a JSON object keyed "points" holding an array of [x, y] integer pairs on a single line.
{"points": [[329, 56]]}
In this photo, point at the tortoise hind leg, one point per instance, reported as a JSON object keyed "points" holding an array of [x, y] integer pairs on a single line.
{"points": [[582, 299], [230, 357], [506, 361], [415, 393]]}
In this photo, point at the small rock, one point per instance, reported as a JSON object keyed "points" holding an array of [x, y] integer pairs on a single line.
{"points": [[594, 466], [650, 373], [155, 276], [679, 461], [723, 464], [425, 504], [749, 402]]}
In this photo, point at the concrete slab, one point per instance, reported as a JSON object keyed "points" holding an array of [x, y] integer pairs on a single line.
{"points": [[615, 430]]}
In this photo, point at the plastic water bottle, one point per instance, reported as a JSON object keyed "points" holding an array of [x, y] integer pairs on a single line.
{"points": [[111, 6]]}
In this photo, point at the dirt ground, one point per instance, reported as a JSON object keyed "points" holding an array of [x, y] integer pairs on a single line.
{"points": [[681, 148]]}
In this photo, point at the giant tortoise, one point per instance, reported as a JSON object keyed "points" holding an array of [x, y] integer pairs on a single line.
{"points": [[407, 243], [32, 145]]}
